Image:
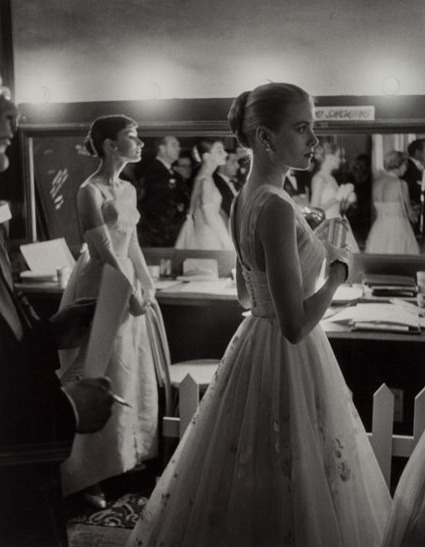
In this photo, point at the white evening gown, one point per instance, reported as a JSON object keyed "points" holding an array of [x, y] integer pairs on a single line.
{"points": [[391, 231], [131, 434], [276, 454], [196, 233]]}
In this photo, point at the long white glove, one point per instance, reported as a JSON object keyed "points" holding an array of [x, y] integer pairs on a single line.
{"points": [[100, 238]]}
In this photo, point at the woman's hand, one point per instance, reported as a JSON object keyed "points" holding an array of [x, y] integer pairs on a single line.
{"points": [[335, 256], [139, 300]]}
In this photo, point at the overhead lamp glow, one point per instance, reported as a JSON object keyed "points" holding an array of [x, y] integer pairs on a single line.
{"points": [[40, 95], [390, 85], [149, 90]]}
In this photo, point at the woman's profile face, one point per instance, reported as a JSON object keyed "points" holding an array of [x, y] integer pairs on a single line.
{"points": [[218, 154], [129, 146], [295, 140]]}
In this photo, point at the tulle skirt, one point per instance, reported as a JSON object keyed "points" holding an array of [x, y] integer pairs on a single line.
{"points": [[275, 455], [392, 234]]}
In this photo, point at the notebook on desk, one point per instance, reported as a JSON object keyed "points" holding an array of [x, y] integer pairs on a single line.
{"points": [[390, 285]]}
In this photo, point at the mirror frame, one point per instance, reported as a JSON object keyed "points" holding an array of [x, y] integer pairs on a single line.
{"points": [[217, 128]]}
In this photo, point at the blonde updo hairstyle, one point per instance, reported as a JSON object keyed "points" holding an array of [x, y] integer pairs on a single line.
{"points": [[266, 105], [394, 160], [106, 127]]}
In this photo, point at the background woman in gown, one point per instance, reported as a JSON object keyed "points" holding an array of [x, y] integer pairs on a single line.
{"points": [[205, 226], [276, 454], [334, 199], [392, 230], [108, 215]]}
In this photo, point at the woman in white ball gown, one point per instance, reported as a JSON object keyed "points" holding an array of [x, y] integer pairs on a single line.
{"points": [[392, 230], [276, 453], [108, 214], [206, 226]]}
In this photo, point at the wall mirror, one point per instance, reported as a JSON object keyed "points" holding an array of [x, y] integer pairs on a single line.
{"points": [[55, 163]]}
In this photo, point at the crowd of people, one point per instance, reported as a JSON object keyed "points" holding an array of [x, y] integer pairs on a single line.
{"points": [[170, 201], [277, 453]]}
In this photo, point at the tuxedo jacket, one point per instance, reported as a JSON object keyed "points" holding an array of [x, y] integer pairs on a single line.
{"points": [[37, 418], [226, 193], [412, 176], [37, 422], [163, 207]]}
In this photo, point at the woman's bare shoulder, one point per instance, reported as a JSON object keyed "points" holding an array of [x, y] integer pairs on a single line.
{"points": [[275, 213]]}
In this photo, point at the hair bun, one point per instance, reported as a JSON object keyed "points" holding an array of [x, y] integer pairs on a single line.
{"points": [[236, 117], [89, 144]]}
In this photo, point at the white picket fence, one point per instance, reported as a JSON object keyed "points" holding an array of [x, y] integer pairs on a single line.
{"points": [[384, 442]]}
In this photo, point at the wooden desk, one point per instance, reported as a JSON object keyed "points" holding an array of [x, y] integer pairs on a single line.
{"points": [[201, 326]]}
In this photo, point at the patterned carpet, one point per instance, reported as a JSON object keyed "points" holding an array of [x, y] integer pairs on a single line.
{"points": [[122, 513]]}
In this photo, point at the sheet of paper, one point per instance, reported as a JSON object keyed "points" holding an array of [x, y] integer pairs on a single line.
{"points": [[220, 286], [161, 284], [347, 294], [47, 256], [200, 265], [112, 302], [380, 313]]}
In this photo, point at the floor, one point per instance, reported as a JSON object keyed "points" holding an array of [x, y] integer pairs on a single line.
{"points": [[141, 481]]}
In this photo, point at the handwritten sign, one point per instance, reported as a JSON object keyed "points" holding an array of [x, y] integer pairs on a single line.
{"points": [[344, 113]]}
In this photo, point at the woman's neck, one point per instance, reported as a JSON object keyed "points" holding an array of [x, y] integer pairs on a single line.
{"points": [[263, 172], [109, 172], [207, 169]]}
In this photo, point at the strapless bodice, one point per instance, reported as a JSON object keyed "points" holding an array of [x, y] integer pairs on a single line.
{"points": [[121, 217]]}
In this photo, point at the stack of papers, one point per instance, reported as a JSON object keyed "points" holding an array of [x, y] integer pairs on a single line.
{"points": [[380, 317], [390, 285]]}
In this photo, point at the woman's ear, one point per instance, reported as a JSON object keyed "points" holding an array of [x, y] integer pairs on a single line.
{"points": [[109, 144], [264, 138]]}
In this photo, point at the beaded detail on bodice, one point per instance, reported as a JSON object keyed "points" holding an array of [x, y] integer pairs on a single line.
{"points": [[121, 217], [310, 250]]}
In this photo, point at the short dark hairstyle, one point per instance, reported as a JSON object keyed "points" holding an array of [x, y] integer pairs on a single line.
{"points": [[415, 146], [105, 127]]}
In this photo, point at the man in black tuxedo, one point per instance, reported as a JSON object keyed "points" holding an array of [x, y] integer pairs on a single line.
{"points": [[224, 178], [38, 417], [165, 203], [414, 171]]}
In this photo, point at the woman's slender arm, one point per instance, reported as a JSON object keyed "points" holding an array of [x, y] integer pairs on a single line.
{"points": [[276, 230], [89, 202]]}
